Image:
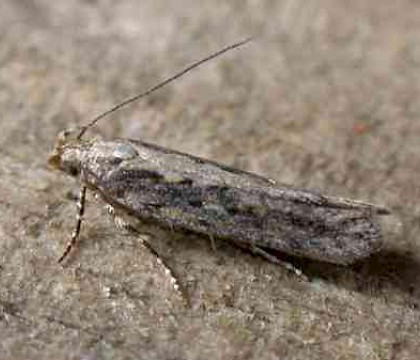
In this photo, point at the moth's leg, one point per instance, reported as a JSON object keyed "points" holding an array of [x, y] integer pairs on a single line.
{"points": [[121, 223], [267, 256], [76, 232], [168, 271], [212, 243]]}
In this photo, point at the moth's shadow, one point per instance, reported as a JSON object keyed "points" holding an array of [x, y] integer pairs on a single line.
{"points": [[377, 275], [386, 270]]}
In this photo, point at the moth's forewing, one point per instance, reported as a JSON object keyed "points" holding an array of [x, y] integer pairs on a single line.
{"points": [[181, 191]]}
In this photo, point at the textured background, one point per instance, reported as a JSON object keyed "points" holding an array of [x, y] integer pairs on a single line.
{"points": [[327, 98]]}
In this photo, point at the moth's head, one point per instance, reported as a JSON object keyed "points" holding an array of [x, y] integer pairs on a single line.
{"points": [[67, 151]]}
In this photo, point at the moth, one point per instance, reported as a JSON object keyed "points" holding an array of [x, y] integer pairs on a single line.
{"points": [[150, 183]]}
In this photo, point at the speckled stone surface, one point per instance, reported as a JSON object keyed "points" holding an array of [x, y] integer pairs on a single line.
{"points": [[326, 98]]}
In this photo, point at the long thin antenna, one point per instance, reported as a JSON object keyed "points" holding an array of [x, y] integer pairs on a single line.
{"points": [[161, 84]]}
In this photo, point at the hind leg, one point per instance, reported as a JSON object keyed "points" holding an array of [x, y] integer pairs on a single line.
{"points": [[121, 223]]}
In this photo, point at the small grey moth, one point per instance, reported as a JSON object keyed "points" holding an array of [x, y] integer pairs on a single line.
{"points": [[150, 183]]}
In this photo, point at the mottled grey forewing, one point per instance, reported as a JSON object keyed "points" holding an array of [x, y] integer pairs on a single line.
{"points": [[186, 192]]}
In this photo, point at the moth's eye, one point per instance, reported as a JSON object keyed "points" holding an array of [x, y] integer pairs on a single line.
{"points": [[124, 152], [73, 170]]}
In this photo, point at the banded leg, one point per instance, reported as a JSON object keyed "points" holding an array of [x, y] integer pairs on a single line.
{"points": [[76, 232], [273, 259], [121, 223], [168, 271]]}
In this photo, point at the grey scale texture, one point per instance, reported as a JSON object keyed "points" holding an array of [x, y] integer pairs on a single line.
{"points": [[148, 183]]}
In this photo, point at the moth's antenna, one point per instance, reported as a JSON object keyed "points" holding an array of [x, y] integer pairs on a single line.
{"points": [[161, 84]]}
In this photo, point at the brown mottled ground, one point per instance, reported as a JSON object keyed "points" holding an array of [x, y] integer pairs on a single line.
{"points": [[327, 98]]}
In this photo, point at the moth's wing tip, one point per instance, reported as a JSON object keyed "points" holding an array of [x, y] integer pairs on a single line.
{"points": [[357, 204], [374, 208], [382, 210]]}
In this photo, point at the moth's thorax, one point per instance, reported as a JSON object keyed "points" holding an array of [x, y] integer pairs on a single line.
{"points": [[84, 159], [104, 157]]}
